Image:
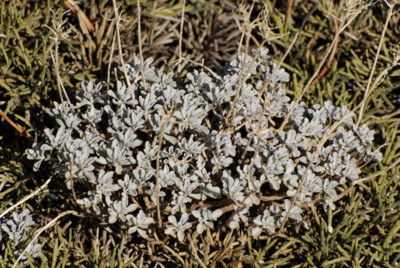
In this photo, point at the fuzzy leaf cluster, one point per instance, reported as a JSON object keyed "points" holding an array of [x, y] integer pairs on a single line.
{"points": [[226, 147], [14, 233]]}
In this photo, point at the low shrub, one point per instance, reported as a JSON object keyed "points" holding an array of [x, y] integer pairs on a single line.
{"points": [[227, 150]]}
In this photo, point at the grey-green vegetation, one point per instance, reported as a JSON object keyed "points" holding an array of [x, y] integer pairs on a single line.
{"points": [[216, 134]]}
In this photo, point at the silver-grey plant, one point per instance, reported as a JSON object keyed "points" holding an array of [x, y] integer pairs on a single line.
{"points": [[15, 231], [212, 150]]}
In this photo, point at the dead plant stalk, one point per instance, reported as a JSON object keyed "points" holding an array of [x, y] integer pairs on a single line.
{"points": [[369, 89], [347, 19], [121, 56]]}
